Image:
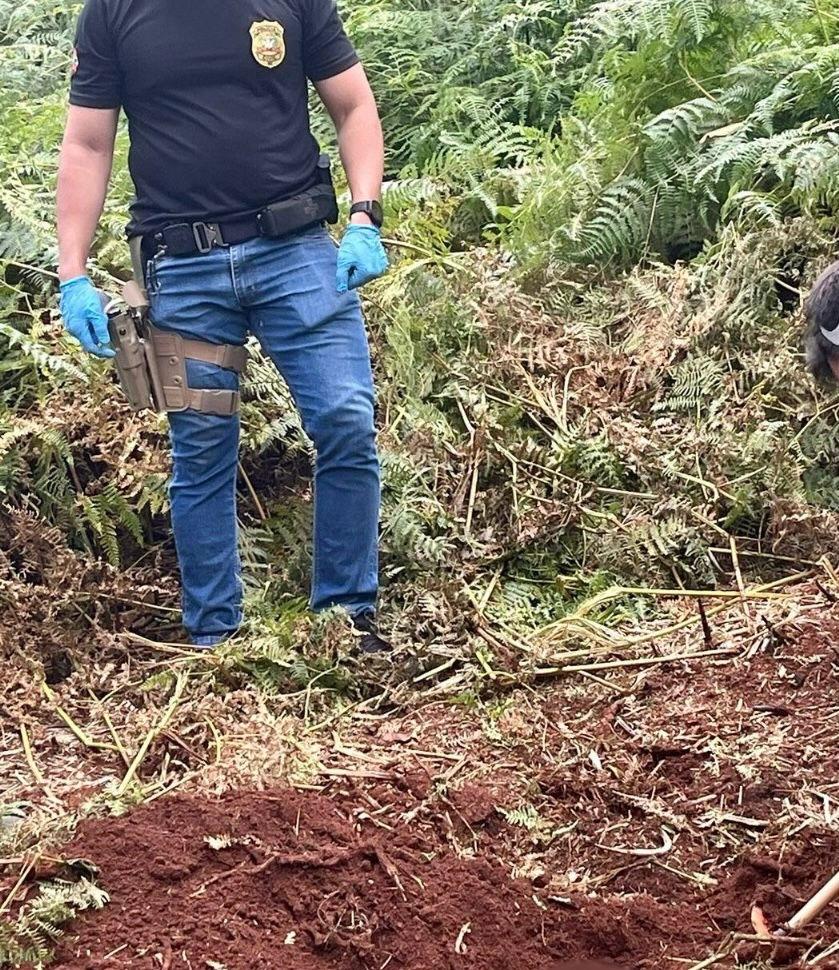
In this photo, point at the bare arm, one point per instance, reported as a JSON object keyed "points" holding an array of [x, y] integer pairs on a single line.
{"points": [[84, 168], [350, 103]]}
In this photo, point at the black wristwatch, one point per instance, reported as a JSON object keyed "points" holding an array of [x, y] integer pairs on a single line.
{"points": [[372, 209]]}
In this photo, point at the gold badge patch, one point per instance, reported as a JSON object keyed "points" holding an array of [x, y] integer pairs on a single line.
{"points": [[267, 43]]}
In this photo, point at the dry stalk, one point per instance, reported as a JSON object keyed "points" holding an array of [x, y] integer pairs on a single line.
{"points": [[710, 961], [637, 662], [180, 684], [77, 730], [30, 758]]}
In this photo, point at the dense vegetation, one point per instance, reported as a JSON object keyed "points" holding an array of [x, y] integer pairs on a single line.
{"points": [[602, 216]]}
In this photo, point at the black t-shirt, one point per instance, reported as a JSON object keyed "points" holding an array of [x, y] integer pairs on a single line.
{"points": [[215, 94]]}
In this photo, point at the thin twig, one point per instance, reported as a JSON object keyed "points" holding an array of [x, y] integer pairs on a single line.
{"points": [[710, 961], [30, 865], [77, 730], [155, 731], [635, 662], [117, 740], [30, 758], [260, 511]]}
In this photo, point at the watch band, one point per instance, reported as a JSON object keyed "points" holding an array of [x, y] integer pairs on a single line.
{"points": [[371, 208]]}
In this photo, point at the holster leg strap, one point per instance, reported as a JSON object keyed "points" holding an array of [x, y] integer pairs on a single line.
{"points": [[171, 351], [208, 401]]}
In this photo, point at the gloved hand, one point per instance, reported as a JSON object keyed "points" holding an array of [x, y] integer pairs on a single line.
{"points": [[84, 317], [361, 257]]}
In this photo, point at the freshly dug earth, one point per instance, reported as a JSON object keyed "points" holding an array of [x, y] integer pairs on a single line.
{"points": [[259, 880], [690, 797], [644, 814], [302, 881]]}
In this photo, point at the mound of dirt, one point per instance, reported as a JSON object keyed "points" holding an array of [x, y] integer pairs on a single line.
{"points": [[648, 822], [267, 879]]}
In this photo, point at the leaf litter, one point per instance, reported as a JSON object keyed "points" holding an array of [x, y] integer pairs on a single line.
{"points": [[478, 817]]}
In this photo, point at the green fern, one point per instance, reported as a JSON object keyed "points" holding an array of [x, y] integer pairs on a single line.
{"points": [[105, 514], [30, 936], [525, 816], [697, 383]]}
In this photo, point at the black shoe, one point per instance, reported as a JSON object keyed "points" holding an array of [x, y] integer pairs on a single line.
{"points": [[369, 640]]}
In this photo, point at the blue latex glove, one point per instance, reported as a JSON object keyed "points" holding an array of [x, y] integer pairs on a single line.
{"points": [[361, 257], [84, 318]]}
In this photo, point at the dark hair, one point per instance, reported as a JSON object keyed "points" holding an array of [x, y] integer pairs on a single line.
{"points": [[821, 311]]}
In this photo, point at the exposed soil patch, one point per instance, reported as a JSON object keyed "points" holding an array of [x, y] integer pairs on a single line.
{"points": [[693, 792], [633, 820], [262, 879], [283, 878]]}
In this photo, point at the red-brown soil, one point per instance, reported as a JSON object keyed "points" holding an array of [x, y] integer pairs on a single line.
{"points": [[302, 887], [283, 878], [633, 820]]}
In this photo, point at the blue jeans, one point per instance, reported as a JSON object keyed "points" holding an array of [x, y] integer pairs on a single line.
{"points": [[283, 291]]}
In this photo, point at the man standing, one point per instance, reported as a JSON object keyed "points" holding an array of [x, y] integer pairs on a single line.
{"points": [[216, 98]]}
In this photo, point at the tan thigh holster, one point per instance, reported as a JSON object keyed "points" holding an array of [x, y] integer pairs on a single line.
{"points": [[170, 352], [151, 363]]}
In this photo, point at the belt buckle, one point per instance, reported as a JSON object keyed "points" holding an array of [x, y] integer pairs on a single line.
{"points": [[206, 235]]}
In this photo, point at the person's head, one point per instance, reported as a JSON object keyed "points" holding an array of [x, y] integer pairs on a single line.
{"points": [[821, 338]]}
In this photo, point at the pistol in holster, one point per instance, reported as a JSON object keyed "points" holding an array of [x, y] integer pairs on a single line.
{"points": [[151, 363]]}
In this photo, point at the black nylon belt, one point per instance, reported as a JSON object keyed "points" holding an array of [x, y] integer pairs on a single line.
{"points": [[193, 238], [316, 205]]}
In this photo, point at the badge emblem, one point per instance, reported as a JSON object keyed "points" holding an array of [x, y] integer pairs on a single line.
{"points": [[267, 43]]}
